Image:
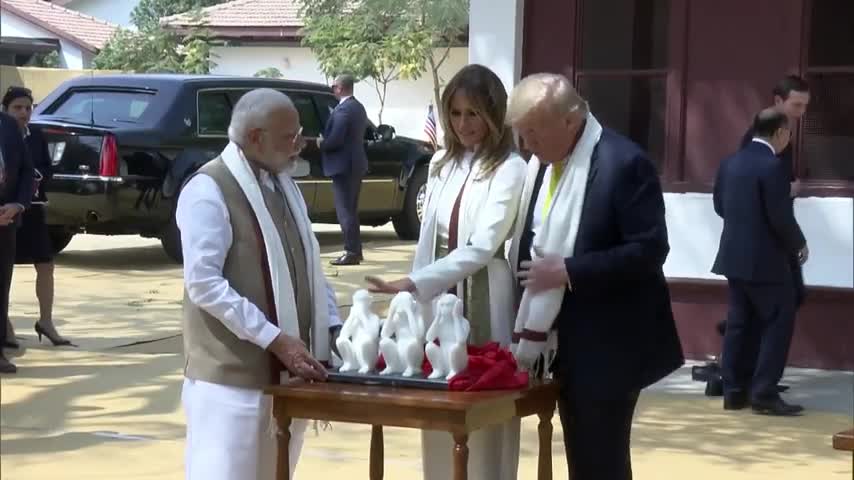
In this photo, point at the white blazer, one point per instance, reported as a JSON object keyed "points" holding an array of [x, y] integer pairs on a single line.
{"points": [[487, 215]]}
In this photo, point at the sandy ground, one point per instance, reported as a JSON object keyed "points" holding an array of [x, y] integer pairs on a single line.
{"points": [[110, 408]]}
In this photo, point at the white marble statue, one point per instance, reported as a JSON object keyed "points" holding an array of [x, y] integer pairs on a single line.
{"points": [[405, 352], [358, 341], [450, 357]]}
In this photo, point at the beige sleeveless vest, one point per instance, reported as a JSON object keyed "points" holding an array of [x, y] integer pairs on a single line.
{"points": [[212, 352]]}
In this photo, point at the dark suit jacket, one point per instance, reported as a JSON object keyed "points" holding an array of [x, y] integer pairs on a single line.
{"points": [[787, 160], [760, 233], [343, 143], [18, 185], [40, 157], [616, 332]]}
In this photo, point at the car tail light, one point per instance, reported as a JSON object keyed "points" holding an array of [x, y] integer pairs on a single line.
{"points": [[109, 157]]}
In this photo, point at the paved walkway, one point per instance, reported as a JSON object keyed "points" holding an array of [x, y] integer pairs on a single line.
{"points": [[111, 408]]}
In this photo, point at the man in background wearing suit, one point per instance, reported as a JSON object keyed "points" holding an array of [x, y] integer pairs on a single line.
{"points": [[589, 248], [759, 237], [345, 160], [791, 97], [16, 193]]}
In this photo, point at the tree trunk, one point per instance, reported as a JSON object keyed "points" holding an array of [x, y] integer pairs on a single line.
{"points": [[434, 69], [381, 96], [436, 97]]}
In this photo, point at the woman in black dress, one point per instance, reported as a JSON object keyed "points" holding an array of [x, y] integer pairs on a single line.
{"points": [[34, 246]]}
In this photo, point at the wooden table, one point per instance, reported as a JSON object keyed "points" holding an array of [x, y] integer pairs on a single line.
{"points": [[458, 413], [844, 440]]}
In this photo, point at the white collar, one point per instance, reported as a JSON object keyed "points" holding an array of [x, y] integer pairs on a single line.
{"points": [[759, 140], [344, 99]]}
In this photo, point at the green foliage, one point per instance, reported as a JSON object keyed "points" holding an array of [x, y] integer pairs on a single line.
{"points": [[381, 40], [269, 72], [147, 13], [45, 60], [152, 49]]}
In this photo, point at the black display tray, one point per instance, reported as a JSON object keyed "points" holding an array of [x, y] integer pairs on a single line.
{"points": [[393, 380]]}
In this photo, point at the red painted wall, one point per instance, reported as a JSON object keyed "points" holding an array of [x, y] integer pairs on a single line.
{"points": [[725, 57], [736, 51]]}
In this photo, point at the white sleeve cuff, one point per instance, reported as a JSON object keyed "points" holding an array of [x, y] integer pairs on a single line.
{"points": [[269, 332], [425, 288]]}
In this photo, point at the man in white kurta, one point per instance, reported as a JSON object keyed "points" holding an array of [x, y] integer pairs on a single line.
{"points": [[255, 294]]}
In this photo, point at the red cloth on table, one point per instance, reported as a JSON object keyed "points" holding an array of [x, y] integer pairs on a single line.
{"points": [[490, 367]]}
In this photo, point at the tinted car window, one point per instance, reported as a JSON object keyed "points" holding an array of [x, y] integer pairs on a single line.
{"points": [[311, 126], [214, 112], [105, 107], [327, 103]]}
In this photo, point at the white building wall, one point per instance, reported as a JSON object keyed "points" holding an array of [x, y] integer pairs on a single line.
{"points": [[406, 100], [828, 224], [113, 11], [693, 227], [495, 37], [72, 56]]}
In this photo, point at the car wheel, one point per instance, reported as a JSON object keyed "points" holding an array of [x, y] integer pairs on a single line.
{"points": [[60, 237], [407, 224]]}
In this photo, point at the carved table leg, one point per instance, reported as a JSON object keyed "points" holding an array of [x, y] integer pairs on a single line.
{"points": [[377, 452], [544, 471], [283, 465], [461, 456]]}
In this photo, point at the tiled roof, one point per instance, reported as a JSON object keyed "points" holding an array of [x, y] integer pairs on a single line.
{"points": [[89, 32], [245, 14]]}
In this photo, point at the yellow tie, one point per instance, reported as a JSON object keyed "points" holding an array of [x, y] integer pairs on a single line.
{"points": [[557, 171]]}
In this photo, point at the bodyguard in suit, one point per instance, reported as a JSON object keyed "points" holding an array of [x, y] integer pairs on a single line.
{"points": [[589, 248], [345, 160], [791, 97], [759, 237], [16, 193]]}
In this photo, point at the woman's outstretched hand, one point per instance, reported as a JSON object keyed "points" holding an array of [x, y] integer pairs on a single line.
{"points": [[379, 285]]}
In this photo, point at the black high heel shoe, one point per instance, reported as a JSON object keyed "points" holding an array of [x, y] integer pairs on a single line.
{"points": [[57, 342]]}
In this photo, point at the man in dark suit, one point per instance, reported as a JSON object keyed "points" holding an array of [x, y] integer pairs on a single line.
{"points": [[345, 160], [759, 237], [16, 193], [615, 329], [791, 97]]}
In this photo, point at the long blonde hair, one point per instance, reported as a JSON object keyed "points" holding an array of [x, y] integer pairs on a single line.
{"points": [[486, 93]]}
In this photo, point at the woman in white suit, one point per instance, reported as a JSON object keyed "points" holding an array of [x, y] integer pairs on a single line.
{"points": [[473, 192]]}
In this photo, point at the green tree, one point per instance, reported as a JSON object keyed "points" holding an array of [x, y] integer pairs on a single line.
{"points": [[151, 48], [147, 13], [445, 21], [45, 60], [381, 40], [269, 72]]}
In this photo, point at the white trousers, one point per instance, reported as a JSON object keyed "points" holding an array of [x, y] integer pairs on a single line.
{"points": [[231, 433], [493, 453]]}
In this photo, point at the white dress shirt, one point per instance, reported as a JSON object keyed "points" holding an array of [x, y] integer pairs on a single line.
{"points": [[537, 221], [206, 237], [458, 175]]}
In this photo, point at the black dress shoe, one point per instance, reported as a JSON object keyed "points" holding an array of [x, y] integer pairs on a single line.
{"points": [[714, 387], [347, 259], [6, 366], [735, 401], [782, 388], [777, 407]]}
